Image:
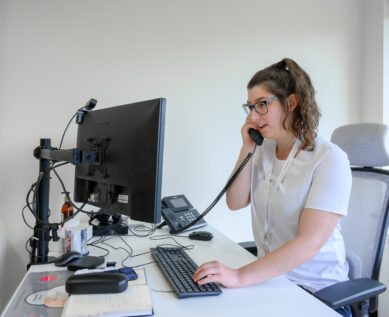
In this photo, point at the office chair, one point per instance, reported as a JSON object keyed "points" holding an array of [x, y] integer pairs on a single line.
{"points": [[364, 229]]}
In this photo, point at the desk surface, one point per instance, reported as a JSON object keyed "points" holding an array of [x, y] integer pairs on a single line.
{"points": [[277, 297]]}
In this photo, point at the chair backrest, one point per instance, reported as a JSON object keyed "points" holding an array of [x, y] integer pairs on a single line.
{"points": [[364, 229]]}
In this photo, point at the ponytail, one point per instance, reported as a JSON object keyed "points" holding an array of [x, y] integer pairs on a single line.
{"points": [[283, 79]]}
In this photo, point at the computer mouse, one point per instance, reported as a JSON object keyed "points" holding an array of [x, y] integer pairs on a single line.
{"points": [[67, 257], [201, 235], [127, 271]]}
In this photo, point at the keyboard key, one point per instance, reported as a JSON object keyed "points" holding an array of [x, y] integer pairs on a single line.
{"points": [[178, 268]]}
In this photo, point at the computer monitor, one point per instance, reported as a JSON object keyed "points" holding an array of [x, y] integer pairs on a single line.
{"points": [[129, 178]]}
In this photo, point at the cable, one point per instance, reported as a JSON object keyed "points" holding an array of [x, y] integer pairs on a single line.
{"points": [[168, 236], [24, 219], [104, 239], [64, 132], [218, 197], [29, 251], [36, 185], [40, 224], [150, 231], [28, 240], [143, 264], [119, 248], [130, 251], [90, 105], [93, 244], [70, 201]]}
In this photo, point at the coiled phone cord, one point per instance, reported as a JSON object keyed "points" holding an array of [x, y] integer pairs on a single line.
{"points": [[216, 200]]}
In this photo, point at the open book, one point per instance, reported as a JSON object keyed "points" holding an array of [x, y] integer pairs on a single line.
{"points": [[134, 301]]}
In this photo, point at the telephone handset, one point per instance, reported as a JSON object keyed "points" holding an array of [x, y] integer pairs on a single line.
{"points": [[178, 212], [256, 136]]}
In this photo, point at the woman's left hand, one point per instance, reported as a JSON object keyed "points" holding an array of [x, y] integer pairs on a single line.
{"points": [[217, 272]]}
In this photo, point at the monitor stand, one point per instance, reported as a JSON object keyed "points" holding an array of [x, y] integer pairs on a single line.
{"points": [[110, 230], [106, 227]]}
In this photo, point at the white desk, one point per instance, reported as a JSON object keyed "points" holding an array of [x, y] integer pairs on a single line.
{"points": [[277, 297]]}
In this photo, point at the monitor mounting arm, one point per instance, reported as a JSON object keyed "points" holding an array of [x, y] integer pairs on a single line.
{"points": [[46, 155]]}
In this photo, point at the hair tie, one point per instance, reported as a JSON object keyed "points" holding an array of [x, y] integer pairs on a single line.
{"points": [[282, 65]]}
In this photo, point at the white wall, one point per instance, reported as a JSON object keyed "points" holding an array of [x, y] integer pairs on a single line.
{"points": [[386, 63], [372, 60], [55, 55], [3, 251]]}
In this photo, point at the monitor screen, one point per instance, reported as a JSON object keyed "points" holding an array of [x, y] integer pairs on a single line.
{"points": [[130, 141]]}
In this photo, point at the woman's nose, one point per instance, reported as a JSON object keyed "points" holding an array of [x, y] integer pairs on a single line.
{"points": [[255, 116]]}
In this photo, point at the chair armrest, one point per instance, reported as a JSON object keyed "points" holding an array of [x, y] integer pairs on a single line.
{"points": [[348, 292], [250, 246]]}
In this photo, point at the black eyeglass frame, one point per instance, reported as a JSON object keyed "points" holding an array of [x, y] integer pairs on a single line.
{"points": [[256, 106]]}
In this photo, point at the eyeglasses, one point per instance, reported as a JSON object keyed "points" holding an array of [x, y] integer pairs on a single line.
{"points": [[260, 107]]}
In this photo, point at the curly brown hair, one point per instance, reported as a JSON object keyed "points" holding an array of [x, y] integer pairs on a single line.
{"points": [[283, 79]]}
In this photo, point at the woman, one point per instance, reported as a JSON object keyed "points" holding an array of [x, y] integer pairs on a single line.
{"points": [[297, 183]]}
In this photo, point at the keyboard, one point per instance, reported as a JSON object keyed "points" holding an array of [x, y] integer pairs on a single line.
{"points": [[178, 269]]}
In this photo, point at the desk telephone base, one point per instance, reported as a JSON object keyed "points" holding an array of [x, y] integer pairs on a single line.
{"points": [[177, 212]]}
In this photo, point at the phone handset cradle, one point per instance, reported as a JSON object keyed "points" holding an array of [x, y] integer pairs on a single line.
{"points": [[177, 212]]}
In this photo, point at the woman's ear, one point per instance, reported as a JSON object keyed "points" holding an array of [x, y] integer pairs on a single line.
{"points": [[292, 101]]}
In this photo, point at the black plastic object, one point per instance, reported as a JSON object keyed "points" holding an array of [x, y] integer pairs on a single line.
{"points": [[256, 136], [249, 246], [201, 235], [86, 262], [178, 212], [127, 178], [67, 257], [178, 269], [127, 271], [96, 283], [348, 292]]}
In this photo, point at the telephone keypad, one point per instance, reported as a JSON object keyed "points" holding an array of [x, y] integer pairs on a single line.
{"points": [[178, 212], [188, 217]]}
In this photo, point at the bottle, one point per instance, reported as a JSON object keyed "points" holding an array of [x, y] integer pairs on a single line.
{"points": [[67, 209]]}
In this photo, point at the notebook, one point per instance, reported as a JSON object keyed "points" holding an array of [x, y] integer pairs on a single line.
{"points": [[135, 301]]}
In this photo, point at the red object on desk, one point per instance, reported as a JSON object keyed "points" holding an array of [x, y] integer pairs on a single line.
{"points": [[48, 278]]}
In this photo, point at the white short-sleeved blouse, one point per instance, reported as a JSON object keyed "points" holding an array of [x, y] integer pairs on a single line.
{"points": [[318, 179]]}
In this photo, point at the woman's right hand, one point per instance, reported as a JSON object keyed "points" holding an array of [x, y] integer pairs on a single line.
{"points": [[246, 137], [238, 195]]}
